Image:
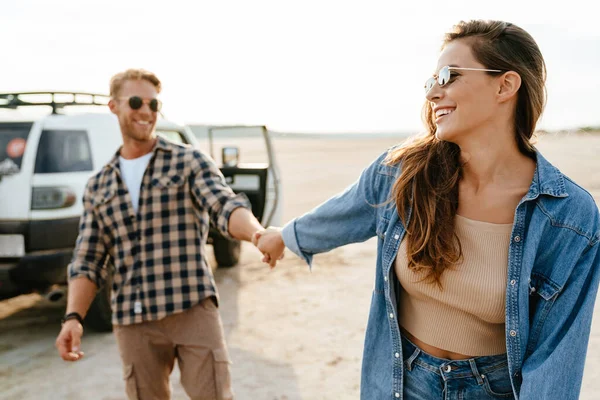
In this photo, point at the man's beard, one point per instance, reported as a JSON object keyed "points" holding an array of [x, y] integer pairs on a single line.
{"points": [[132, 131]]}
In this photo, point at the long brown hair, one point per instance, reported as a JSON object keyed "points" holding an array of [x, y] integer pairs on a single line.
{"points": [[431, 169]]}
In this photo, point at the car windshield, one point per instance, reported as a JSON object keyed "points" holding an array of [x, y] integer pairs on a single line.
{"points": [[13, 138], [63, 151]]}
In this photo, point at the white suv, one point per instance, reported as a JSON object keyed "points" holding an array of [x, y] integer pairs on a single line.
{"points": [[45, 162]]}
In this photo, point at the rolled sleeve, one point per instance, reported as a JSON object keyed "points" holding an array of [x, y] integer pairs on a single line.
{"points": [[239, 200], [348, 217], [290, 238], [90, 254], [79, 270], [212, 192]]}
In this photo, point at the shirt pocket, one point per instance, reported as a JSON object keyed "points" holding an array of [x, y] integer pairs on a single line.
{"points": [[106, 207], [542, 295], [103, 197], [168, 181], [168, 190]]}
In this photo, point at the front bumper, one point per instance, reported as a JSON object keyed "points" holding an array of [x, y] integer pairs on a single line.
{"points": [[34, 271]]}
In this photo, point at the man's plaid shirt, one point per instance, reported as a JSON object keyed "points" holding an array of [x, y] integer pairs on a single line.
{"points": [[159, 253]]}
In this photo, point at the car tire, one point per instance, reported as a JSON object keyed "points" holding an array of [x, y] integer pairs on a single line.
{"points": [[99, 316], [227, 252]]}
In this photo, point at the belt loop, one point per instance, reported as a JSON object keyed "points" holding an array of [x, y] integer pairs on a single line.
{"points": [[476, 371], [408, 363]]}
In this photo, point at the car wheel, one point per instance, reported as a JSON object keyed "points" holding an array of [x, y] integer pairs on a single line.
{"points": [[99, 316], [227, 252]]}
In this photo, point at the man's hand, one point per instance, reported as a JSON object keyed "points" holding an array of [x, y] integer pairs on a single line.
{"points": [[270, 243], [68, 341]]}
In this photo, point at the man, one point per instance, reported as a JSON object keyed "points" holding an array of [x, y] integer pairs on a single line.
{"points": [[147, 212]]}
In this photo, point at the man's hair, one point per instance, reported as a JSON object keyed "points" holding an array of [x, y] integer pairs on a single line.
{"points": [[116, 82]]}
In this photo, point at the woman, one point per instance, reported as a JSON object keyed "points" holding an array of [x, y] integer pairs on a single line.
{"points": [[488, 256]]}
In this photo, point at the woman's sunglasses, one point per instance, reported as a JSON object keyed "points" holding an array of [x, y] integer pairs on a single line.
{"points": [[443, 77], [136, 102]]}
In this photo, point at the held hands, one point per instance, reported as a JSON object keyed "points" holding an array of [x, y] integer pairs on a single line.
{"points": [[68, 341], [270, 243]]}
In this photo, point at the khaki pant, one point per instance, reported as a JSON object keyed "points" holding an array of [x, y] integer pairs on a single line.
{"points": [[194, 337]]}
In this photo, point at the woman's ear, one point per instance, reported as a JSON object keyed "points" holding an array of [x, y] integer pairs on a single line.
{"points": [[509, 85]]}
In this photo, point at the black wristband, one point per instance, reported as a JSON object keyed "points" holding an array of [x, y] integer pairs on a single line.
{"points": [[73, 315]]}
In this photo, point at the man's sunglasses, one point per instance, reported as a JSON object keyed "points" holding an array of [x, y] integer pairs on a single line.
{"points": [[136, 102], [443, 77]]}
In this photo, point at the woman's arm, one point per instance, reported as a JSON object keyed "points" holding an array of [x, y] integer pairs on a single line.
{"points": [[555, 368], [348, 217]]}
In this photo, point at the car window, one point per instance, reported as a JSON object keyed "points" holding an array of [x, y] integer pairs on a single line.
{"points": [[172, 136], [13, 138], [63, 151]]}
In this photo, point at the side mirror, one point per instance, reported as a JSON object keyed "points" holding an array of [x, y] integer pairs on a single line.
{"points": [[230, 156]]}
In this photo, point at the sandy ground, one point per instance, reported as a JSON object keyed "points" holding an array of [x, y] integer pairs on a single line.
{"points": [[292, 334]]}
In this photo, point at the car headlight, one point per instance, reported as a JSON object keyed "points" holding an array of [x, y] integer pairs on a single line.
{"points": [[46, 198]]}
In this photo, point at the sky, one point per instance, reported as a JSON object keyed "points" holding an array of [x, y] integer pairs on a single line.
{"points": [[296, 66]]}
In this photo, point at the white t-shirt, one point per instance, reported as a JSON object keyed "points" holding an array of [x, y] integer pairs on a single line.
{"points": [[132, 172]]}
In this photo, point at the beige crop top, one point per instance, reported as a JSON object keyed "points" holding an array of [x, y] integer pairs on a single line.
{"points": [[467, 315]]}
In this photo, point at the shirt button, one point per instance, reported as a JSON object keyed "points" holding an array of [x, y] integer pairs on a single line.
{"points": [[513, 333], [396, 237], [517, 238], [397, 394], [391, 316], [385, 278], [512, 282], [397, 355]]}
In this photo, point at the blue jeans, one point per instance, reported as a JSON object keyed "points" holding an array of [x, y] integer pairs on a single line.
{"points": [[428, 378]]}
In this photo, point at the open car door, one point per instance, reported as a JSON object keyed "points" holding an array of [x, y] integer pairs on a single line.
{"points": [[246, 158]]}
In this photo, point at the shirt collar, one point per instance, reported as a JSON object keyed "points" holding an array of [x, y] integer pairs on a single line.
{"points": [[547, 180], [161, 144]]}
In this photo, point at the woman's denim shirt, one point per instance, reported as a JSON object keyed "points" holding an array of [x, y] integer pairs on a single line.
{"points": [[553, 273]]}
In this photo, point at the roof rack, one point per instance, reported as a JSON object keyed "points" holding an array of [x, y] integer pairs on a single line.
{"points": [[15, 100]]}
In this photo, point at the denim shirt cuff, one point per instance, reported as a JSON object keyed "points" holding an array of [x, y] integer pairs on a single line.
{"points": [[290, 238]]}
